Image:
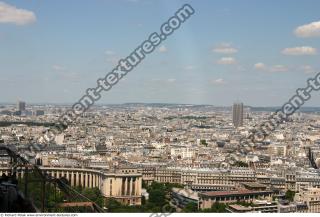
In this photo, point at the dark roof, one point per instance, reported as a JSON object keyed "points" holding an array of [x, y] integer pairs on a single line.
{"points": [[254, 185], [233, 193]]}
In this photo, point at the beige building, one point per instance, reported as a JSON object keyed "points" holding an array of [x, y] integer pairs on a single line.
{"points": [[277, 150], [124, 185], [311, 197], [207, 199], [199, 179], [204, 179]]}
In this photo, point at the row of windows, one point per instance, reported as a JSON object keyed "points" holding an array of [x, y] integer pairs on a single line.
{"points": [[128, 171]]}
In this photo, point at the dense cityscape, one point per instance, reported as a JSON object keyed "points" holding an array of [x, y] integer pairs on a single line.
{"points": [[126, 150], [159, 108]]}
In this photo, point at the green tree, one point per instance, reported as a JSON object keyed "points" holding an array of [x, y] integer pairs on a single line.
{"points": [[113, 205], [218, 207], [190, 207], [241, 164], [94, 195], [157, 196], [204, 142], [290, 195], [143, 200]]}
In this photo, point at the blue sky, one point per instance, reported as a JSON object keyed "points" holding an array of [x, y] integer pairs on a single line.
{"points": [[258, 52]]}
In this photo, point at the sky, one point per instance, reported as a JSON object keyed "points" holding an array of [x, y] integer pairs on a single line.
{"points": [[258, 52]]}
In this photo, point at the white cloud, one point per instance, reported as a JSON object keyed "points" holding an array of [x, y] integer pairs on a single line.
{"points": [[163, 49], [58, 67], [241, 68], [226, 61], [155, 79], [163, 81], [171, 80], [307, 69], [189, 67], [308, 30], [274, 68], [218, 81], [304, 50], [278, 68], [11, 14], [225, 48], [260, 66], [110, 52], [112, 59]]}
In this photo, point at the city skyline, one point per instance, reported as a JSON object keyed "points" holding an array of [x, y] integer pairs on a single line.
{"points": [[159, 107]]}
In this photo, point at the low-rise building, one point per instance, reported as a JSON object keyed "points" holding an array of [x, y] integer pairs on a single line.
{"points": [[207, 199], [311, 197], [260, 206], [181, 197]]}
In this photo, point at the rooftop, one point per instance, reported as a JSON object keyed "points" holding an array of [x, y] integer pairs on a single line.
{"points": [[232, 193]]}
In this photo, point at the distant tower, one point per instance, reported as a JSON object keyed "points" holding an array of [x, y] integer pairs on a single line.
{"points": [[21, 106], [237, 114]]}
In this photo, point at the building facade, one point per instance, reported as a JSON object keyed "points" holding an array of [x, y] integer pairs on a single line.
{"points": [[124, 185], [237, 114]]}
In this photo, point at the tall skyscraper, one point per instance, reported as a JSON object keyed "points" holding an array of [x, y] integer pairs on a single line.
{"points": [[237, 114], [21, 106]]}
